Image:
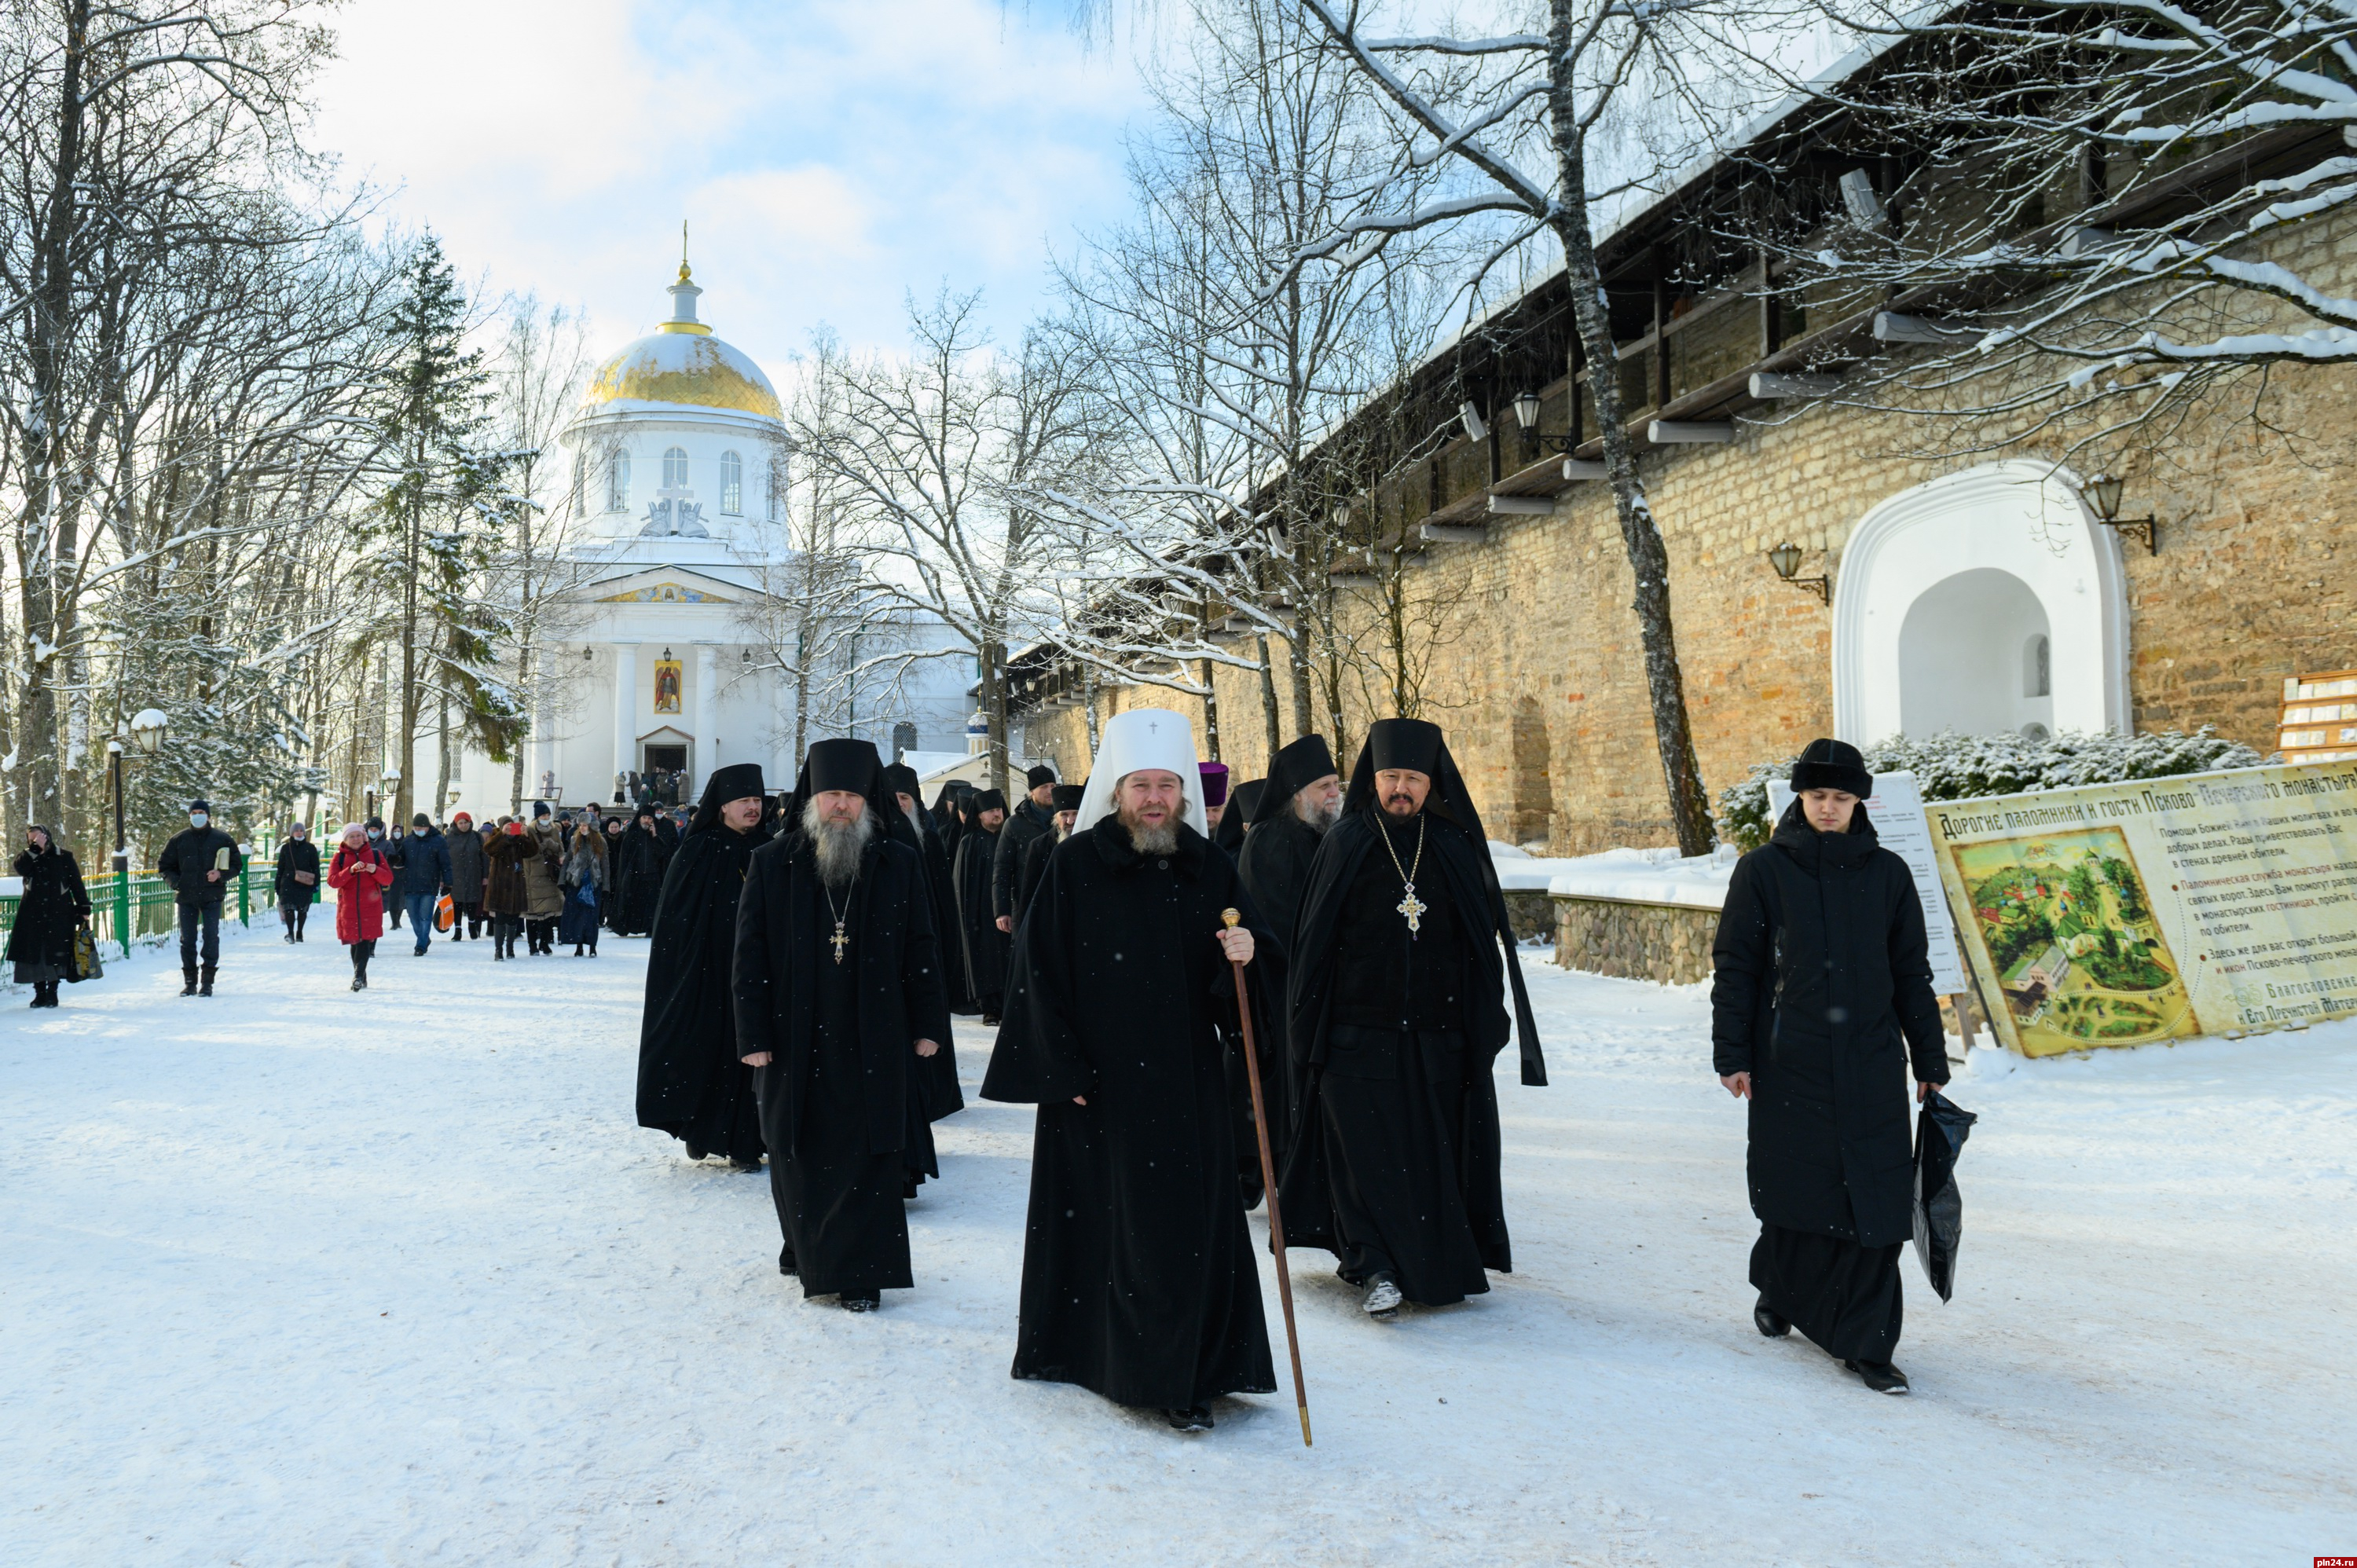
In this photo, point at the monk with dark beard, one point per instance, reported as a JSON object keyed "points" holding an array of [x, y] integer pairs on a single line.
{"points": [[839, 996]]}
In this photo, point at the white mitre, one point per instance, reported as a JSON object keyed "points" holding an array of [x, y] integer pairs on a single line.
{"points": [[1142, 738]]}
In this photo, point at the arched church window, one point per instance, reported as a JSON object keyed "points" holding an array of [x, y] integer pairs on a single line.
{"points": [[617, 483], [2038, 666], [732, 484], [676, 468]]}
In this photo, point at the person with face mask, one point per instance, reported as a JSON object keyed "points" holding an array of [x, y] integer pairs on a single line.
{"points": [[52, 908], [361, 874], [201, 862], [297, 879]]}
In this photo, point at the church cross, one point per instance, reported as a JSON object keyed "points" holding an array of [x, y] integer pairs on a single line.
{"points": [[1413, 909], [840, 939]]}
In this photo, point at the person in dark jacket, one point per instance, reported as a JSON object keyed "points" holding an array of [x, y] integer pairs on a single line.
{"points": [[51, 907], [1300, 801], [425, 873], [296, 879], [1244, 801], [638, 863], [1822, 968], [1063, 807], [507, 890], [200, 862], [983, 943], [1033, 818], [464, 847], [395, 847]]}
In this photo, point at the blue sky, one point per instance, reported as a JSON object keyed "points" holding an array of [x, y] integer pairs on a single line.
{"points": [[829, 155]]}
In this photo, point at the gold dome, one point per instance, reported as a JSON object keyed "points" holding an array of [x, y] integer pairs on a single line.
{"points": [[699, 370], [684, 364]]}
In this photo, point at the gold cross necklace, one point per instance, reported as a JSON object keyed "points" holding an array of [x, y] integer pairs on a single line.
{"points": [[1411, 905], [842, 939]]}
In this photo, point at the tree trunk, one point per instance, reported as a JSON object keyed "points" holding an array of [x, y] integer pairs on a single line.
{"points": [[994, 713], [1210, 713], [1641, 536]]}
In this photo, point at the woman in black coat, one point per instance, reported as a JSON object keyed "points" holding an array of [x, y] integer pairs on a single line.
{"points": [[53, 906], [296, 879], [1822, 968]]}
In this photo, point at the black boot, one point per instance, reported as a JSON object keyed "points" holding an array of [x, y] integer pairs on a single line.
{"points": [[1198, 1419], [860, 1300], [188, 978], [1880, 1375], [1769, 1321], [206, 988]]}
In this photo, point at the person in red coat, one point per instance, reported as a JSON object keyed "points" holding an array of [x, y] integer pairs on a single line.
{"points": [[359, 874]]}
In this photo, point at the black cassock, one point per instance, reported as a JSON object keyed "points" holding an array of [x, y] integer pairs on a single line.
{"points": [[982, 942], [835, 1097], [690, 1083], [933, 1089], [1139, 1280], [943, 889], [1394, 1158], [637, 880]]}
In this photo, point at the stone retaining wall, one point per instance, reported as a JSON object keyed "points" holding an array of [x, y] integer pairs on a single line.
{"points": [[1664, 942]]}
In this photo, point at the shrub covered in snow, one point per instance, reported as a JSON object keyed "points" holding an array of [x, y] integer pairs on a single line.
{"points": [[1960, 767]]}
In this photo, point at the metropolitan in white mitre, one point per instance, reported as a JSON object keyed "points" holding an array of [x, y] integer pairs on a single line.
{"points": [[1139, 1280]]}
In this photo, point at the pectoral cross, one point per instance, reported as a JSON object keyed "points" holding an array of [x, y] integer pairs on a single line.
{"points": [[840, 939], [1413, 909]]}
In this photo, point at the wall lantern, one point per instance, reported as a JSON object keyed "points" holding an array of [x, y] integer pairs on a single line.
{"points": [[2102, 493], [1526, 410], [1786, 559]]}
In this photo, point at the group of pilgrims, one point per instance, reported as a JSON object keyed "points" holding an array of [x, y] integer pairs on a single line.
{"points": [[1132, 939]]}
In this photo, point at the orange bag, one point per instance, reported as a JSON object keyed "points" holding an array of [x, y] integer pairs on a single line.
{"points": [[446, 913]]}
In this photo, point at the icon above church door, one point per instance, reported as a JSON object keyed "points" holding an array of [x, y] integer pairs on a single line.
{"points": [[667, 683]]}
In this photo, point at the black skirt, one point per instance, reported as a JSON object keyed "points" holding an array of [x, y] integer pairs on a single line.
{"points": [[1843, 1297]]}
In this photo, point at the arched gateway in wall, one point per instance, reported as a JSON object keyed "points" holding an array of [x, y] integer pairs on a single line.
{"points": [[1986, 601]]}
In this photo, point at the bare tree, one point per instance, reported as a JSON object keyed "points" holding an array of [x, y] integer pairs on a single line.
{"points": [[2090, 218], [1546, 131], [930, 458]]}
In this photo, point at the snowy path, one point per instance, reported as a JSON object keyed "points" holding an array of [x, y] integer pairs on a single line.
{"points": [[299, 1276]]}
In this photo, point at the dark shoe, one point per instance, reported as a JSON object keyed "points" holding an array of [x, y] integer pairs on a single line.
{"points": [[417, 953], [359, 982], [694, 1153], [206, 987], [990, 1021], [1199, 1419], [189, 988], [860, 1301], [746, 1164], [1383, 1297], [786, 1265], [1769, 1321], [1880, 1375]]}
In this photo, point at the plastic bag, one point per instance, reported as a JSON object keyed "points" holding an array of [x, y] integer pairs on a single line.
{"points": [[446, 913], [1940, 1134], [82, 962]]}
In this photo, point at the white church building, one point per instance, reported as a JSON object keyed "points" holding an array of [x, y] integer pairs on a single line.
{"points": [[664, 650]]}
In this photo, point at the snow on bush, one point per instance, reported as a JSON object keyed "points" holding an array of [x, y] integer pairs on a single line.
{"points": [[1960, 767]]}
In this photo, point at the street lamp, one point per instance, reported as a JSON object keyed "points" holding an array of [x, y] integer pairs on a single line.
{"points": [[148, 734], [2103, 492], [1526, 410]]}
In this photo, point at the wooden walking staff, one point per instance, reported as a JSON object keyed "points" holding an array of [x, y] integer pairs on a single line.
{"points": [[1232, 918]]}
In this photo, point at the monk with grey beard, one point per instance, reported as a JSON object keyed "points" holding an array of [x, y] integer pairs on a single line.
{"points": [[839, 994]]}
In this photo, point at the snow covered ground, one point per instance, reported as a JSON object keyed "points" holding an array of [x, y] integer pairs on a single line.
{"points": [[297, 1276]]}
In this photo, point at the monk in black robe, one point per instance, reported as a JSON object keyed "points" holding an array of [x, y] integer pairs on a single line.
{"points": [[1298, 802], [1243, 800], [1396, 1011], [839, 996], [933, 1088], [1139, 1280], [984, 944], [1063, 805], [690, 1083]]}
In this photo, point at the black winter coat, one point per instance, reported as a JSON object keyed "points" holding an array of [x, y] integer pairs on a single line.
{"points": [[189, 854], [1028, 821], [53, 905], [465, 848], [1275, 864], [1822, 966], [294, 855]]}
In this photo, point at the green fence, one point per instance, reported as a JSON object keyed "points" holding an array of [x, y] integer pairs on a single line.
{"points": [[124, 909]]}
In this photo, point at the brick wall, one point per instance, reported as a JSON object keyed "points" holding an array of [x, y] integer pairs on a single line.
{"points": [[1539, 681]]}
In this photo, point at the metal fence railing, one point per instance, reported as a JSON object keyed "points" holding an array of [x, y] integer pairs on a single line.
{"points": [[124, 909]]}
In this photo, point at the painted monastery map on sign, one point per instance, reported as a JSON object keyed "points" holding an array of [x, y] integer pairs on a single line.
{"points": [[2070, 928]]}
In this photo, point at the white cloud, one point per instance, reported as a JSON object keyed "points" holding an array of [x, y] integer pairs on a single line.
{"points": [[830, 155]]}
